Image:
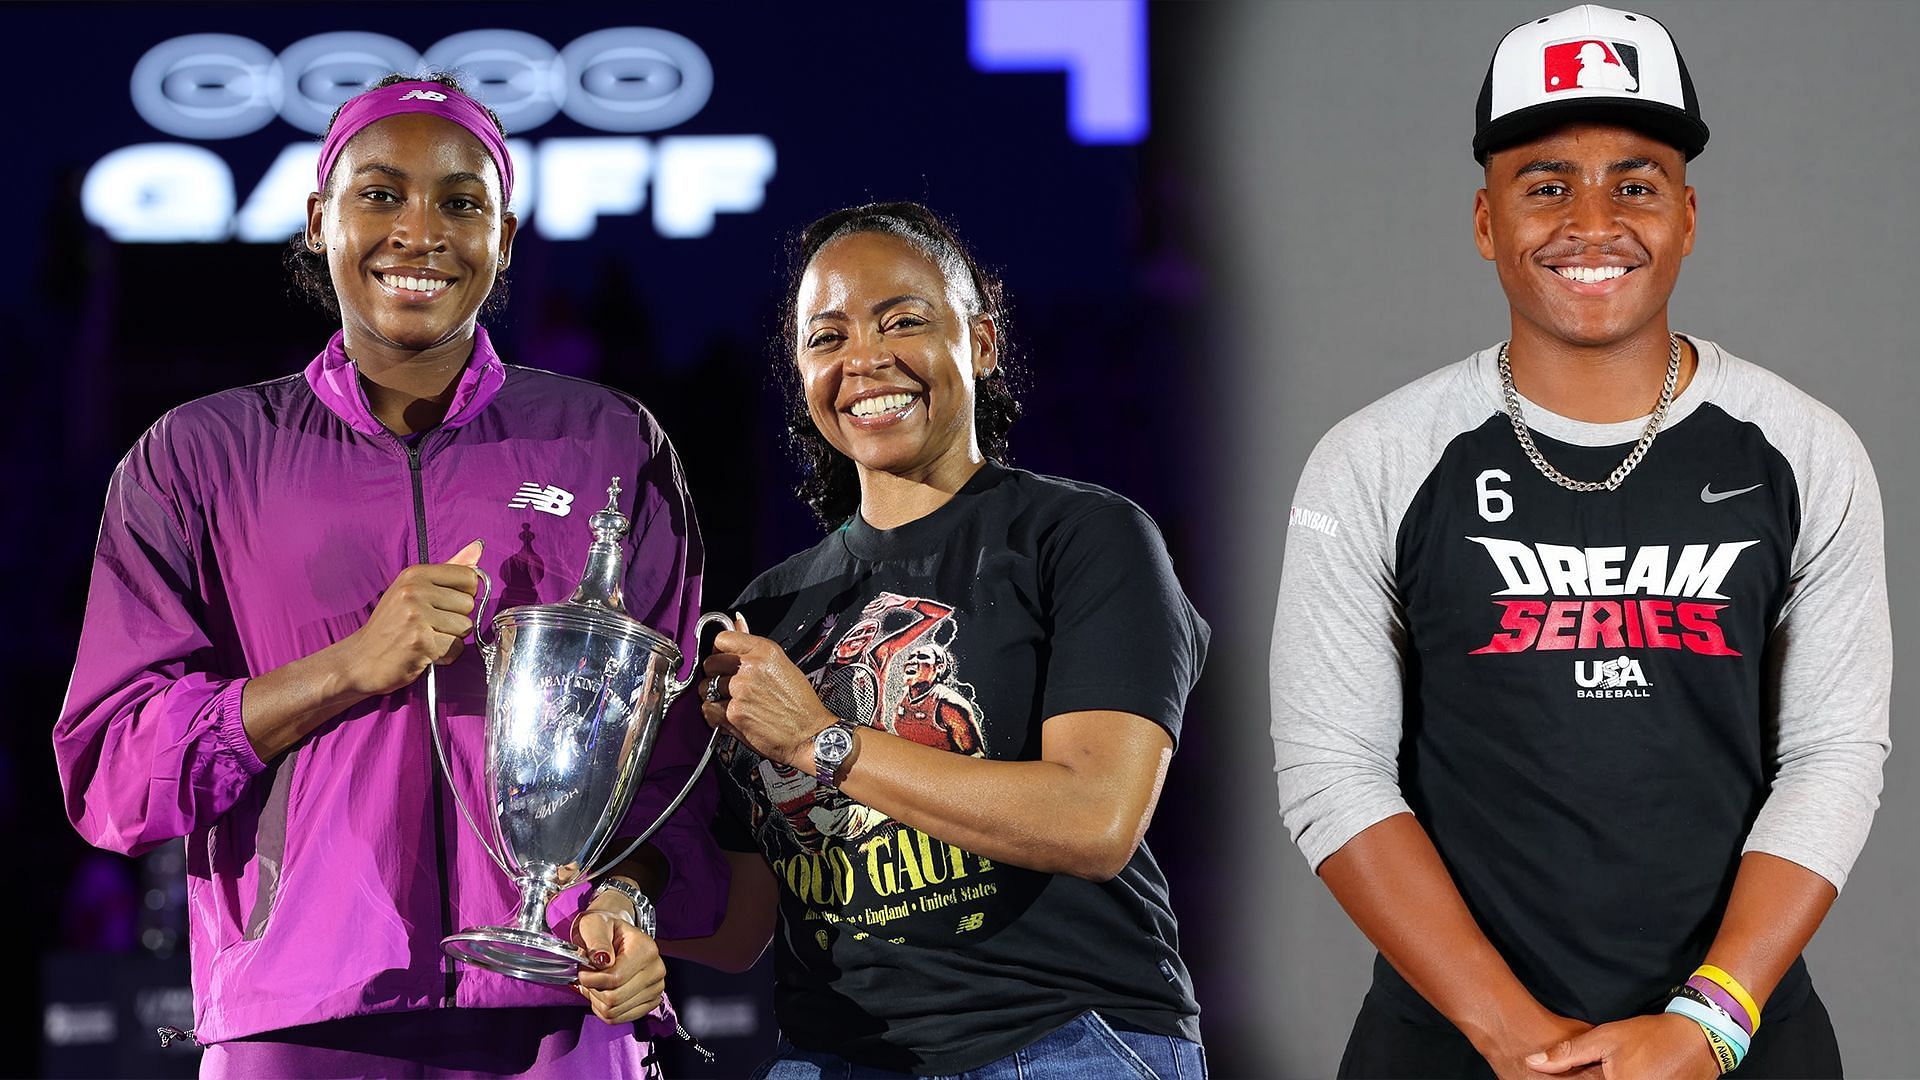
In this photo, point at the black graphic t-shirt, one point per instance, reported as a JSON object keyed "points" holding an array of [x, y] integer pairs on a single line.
{"points": [[1022, 598], [1594, 702]]}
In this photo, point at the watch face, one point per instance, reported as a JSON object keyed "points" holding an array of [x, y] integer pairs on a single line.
{"points": [[834, 744]]}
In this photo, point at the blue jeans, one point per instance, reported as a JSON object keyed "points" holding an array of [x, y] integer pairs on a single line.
{"points": [[1084, 1048]]}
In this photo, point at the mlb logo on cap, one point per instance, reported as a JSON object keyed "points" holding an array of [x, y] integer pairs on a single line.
{"points": [[1588, 63], [1611, 65]]}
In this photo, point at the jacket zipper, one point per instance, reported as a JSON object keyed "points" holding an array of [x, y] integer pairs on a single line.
{"points": [[439, 795]]}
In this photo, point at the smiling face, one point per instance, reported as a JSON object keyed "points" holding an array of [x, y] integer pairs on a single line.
{"points": [[1587, 226], [415, 232], [888, 350]]}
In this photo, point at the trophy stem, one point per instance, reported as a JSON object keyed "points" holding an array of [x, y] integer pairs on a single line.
{"points": [[526, 949], [535, 895]]}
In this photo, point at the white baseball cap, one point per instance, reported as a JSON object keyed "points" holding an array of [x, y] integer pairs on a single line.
{"points": [[1588, 63]]}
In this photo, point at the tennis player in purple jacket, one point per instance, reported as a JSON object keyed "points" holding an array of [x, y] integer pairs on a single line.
{"points": [[277, 567]]}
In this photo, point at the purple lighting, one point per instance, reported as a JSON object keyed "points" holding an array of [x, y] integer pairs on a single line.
{"points": [[1100, 44]]}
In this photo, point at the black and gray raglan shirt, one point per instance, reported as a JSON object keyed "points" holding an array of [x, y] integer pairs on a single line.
{"points": [[1593, 702]]}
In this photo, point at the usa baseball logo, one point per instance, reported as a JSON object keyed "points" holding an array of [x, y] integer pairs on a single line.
{"points": [[1591, 64]]}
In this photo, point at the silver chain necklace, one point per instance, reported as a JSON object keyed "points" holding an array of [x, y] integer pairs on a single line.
{"points": [[1639, 450]]}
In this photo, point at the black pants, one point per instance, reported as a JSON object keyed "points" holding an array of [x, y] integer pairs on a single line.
{"points": [[1384, 1047]]}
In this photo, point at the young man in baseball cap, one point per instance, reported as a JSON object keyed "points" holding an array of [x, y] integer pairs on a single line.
{"points": [[1581, 665]]}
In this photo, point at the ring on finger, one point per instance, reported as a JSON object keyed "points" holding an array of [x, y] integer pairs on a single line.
{"points": [[713, 690]]}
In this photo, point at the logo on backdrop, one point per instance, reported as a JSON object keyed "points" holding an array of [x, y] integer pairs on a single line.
{"points": [[622, 80], [1592, 64]]}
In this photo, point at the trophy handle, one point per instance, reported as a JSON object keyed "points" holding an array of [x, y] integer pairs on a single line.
{"points": [[685, 790], [480, 609], [446, 767], [676, 687]]}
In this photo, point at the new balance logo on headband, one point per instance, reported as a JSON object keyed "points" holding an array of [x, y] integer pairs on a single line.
{"points": [[423, 95]]}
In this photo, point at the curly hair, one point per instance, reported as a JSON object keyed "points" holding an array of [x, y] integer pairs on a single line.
{"points": [[308, 268], [828, 483]]}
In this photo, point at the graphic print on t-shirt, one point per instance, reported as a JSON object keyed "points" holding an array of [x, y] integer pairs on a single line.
{"points": [[1654, 596], [1585, 595], [894, 669]]}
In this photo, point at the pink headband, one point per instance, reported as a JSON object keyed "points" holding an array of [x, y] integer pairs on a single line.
{"points": [[408, 97]]}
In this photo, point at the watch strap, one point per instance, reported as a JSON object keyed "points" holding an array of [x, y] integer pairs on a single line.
{"points": [[643, 915]]}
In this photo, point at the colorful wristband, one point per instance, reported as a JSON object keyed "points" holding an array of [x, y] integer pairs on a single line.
{"points": [[1712, 993], [1724, 1056], [1693, 994], [1732, 986], [1713, 1020]]}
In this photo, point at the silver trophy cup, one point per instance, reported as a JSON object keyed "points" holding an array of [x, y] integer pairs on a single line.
{"points": [[575, 696]]}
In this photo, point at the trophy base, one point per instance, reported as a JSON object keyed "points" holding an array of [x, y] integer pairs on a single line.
{"points": [[521, 954]]}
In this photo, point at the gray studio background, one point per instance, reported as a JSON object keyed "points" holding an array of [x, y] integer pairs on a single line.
{"points": [[1342, 185]]}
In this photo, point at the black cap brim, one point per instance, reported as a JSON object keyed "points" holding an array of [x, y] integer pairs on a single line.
{"points": [[1664, 122]]}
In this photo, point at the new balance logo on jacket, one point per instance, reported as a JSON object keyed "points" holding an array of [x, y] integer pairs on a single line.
{"points": [[547, 500]]}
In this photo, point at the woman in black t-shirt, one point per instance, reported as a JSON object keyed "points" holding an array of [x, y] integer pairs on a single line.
{"points": [[948, 745]]}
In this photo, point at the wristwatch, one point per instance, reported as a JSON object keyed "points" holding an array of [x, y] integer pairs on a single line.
{"points": [[643, 916], [831, 748]]}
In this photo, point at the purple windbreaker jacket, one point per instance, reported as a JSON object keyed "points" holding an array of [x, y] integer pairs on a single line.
{"points": [[256, 526]]}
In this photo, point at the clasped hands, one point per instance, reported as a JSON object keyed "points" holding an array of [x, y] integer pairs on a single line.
{"points": [[1663, 1047]]}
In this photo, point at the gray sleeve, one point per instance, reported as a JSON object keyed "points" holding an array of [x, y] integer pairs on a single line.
{"points": [[1830, 661], [1337, 663]]}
